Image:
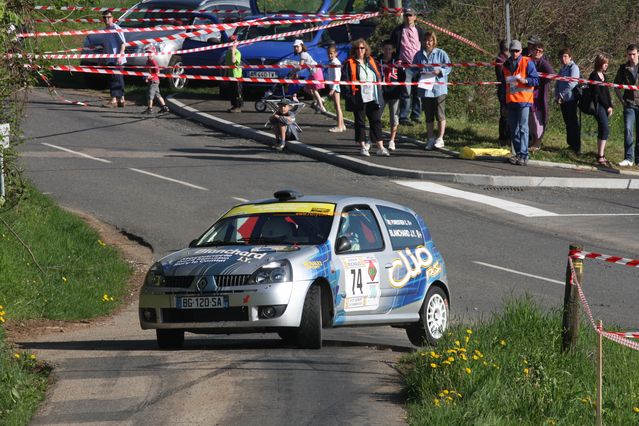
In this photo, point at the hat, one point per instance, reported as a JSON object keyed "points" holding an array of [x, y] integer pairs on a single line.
{"points": [[409, 11], [150, 48], [285, 101], [534, 39], [298, 42], [515, 45]]}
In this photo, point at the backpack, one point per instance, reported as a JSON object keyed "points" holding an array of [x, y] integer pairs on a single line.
{"points": [[585, 99]]}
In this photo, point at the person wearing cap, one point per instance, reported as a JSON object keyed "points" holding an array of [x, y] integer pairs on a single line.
{"points": [[233, 57], [153, 81], [530, 45], [520, 79], [407, 39], [539, 113], [567, 101], [114, 44], [299, 49], [283, 123]]}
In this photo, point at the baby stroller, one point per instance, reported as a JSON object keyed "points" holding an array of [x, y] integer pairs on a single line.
{"points": [[277, 92]]}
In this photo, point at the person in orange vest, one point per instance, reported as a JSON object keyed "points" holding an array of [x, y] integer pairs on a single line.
{"points": [[520, 78]]}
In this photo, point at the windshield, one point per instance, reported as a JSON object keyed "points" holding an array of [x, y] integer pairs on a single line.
{"points": [[291, 6], [246, 33], [278, 223], [166, 18]]}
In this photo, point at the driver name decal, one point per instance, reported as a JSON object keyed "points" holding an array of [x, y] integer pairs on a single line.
{"points": [[409, 265], [218, 256]]}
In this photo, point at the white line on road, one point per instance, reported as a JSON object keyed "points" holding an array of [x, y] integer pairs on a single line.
{"points": [[241, 200], [501, 268], [190, 185], [76, 153]]}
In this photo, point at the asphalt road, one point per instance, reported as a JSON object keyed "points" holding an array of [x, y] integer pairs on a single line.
{"points": [[165, 180]]}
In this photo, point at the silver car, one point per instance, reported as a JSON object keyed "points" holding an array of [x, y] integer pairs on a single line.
{"points": [[296, 264], [234, 10]]}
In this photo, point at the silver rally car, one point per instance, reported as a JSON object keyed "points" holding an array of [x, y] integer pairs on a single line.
{"points": [[297, 264]]}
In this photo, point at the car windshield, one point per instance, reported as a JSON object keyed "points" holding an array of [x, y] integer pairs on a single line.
{"points": [[288, 6], [278, 223], [166, 18], [246, 33]]}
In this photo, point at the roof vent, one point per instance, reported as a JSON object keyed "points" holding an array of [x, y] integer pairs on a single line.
{"points": [[287, 194]]}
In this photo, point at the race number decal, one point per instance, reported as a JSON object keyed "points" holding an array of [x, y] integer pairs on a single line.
{"points": [[361, 281]]}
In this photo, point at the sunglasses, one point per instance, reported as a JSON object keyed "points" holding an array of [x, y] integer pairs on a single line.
{"points": [[361, 48]]}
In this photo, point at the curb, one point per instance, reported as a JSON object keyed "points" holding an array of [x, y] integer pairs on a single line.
{"points": [[362, 166]]}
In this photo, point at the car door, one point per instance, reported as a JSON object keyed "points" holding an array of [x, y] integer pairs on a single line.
{"points": [[364, 286]]}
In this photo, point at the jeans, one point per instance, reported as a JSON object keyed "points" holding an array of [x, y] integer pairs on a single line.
{"points": [[573, 129], [116, 84], [631, 124], [603, 131], [410, 103], [519, 133]]}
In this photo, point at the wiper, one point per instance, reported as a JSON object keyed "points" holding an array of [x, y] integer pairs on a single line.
{"points": [[216, 243], [263, 240]]}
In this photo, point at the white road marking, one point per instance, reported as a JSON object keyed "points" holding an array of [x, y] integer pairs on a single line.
{"points": [[76, 153], [501, 268], [241, 200], [510, 206], [190, 185]]}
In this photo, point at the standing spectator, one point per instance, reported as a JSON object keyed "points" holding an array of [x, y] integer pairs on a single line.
{"points": [[566, 99], [392, 94], [627, 74], [407, 41], [154, 82], [366, 100], [433, 88], [114, 44], [335, 74], [504, 132], [539, 112], [530, 45], [520, 79], [603, 100], [315, 73], [234, 57]]}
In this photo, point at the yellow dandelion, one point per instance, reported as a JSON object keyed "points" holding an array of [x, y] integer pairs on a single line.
{"points": [[32, 356], [526, 371], [451, 351], [475, 357], [466, 339], [461, 350], [469, 331], [441, 394], [468, 370], [1, 319], [64, 279], [436, 402], [450, 359], [525, 361], [17, 355], [101, 243], [479, 354], [464, 357], [422, 354], [635, 409], [445, 391], [457, 343], [1, 307], [433, 365], [448, 399], [502, 342], [446, 363]]}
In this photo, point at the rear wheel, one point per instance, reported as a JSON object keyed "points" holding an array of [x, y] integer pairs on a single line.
{"points": [[169, 338], [260, 106], [176, 68], [433, 319], [309, 333]]}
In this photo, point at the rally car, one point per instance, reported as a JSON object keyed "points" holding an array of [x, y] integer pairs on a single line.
{"points": [[296, 264]]}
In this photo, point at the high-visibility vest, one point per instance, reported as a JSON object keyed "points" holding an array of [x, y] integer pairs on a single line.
{"points": [[352, 64], [515, 91]]}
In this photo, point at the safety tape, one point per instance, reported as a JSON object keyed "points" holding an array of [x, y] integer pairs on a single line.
{"points": [[125, 9], [453, 35], [580, 254], [584, 81], [98, 20], [628, 334], [275, 66], [55, 93]]}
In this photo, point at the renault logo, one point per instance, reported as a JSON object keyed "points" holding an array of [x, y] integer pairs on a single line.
{"points": [[201, 284]]}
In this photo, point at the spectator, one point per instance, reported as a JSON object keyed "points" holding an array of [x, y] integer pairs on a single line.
{"points": [[407, 41], [114, 43], [392, 94], [154, 82], [366, 100], [566, 99], [627, 74], [530, 45], [335, 74], [283, 123], [504, 132], [539, 112], [234, 57], [433, 88], [603, 101], [520, 79], [315, 73]]}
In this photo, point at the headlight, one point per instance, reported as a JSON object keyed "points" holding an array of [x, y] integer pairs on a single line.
{"points": [[155, 276], [274, 272], [288, 62]]}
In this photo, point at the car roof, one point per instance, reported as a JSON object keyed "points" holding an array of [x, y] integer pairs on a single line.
{"points": [[340, 200], [190, 4]]}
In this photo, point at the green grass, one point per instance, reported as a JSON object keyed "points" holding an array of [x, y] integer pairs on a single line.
{"points": [[514, 373]]}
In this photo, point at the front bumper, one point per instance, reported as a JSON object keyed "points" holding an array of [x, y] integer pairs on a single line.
{"points": [[157, 308]]}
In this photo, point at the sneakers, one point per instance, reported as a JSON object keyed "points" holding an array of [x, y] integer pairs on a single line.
{"points": [[626, 163], [121, 103], [279, 145], [518, 160], [391, 145], [383, 152], [439, 143], [513, 160], [234, 109], [147, 111], [406, 123], [430, 145], [337, 129], [364, 152], [165, 109], [367, 145]]}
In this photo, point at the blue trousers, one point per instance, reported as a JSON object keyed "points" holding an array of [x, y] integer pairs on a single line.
{"points": [[631, 125], [519, 132]]}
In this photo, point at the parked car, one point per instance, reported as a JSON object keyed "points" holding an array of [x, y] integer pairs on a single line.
{"points": [[280, 50], [171, 62], [296, 264]]}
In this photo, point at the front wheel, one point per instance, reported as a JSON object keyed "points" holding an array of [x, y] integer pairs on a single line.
{"points": [[176, 68], [433, 319], [309, 333], [260, 106], [169, 338]]}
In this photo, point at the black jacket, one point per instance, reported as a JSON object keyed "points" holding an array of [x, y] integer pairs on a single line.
{"points": [[624, 76], [353, 94], [396, 37], [601, 94]]}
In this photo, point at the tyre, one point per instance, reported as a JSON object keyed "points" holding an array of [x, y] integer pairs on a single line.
{"points": [[169, 338], [433, 319], [288, 334], [176, 67], [309, 333], [260, 106]]}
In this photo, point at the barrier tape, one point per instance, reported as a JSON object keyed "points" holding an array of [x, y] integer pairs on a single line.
{"points": [[454, 35], [125, 9], [580, 254], [584, 81], [633, 335], [55, 93], [98, 20]]}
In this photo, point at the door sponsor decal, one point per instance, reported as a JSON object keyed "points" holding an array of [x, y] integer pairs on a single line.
{"points": [[409, 265], [361, 282]]}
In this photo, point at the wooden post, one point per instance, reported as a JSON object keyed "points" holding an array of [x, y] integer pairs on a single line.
{"points": [[570, 326], [599, 373]]}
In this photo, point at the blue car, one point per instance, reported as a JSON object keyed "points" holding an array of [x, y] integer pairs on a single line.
{"points": [[280, 51]]}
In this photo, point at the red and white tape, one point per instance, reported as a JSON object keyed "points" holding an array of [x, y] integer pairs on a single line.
{"points": [[98, 20], [125, 9], [580, 254], [454, 35], [627, 334], [584, 81]]}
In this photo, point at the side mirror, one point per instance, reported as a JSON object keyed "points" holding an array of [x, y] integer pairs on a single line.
{"points": [[193, 243], [343, 244]]}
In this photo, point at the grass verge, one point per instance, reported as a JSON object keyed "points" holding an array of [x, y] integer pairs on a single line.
{"points": [[53, 267], [510, 370]]}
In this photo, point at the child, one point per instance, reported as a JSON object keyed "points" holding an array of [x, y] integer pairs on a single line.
{"points": [[315, 73], [392, 94], [335, 74], [154, 82], [283, 124], [234, 57]]}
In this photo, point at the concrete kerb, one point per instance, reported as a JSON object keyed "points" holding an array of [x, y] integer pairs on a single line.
{"points": [[362, 166]]}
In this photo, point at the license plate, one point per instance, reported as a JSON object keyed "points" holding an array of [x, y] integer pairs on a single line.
{"points": [[262, 74], [202, 302]]}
